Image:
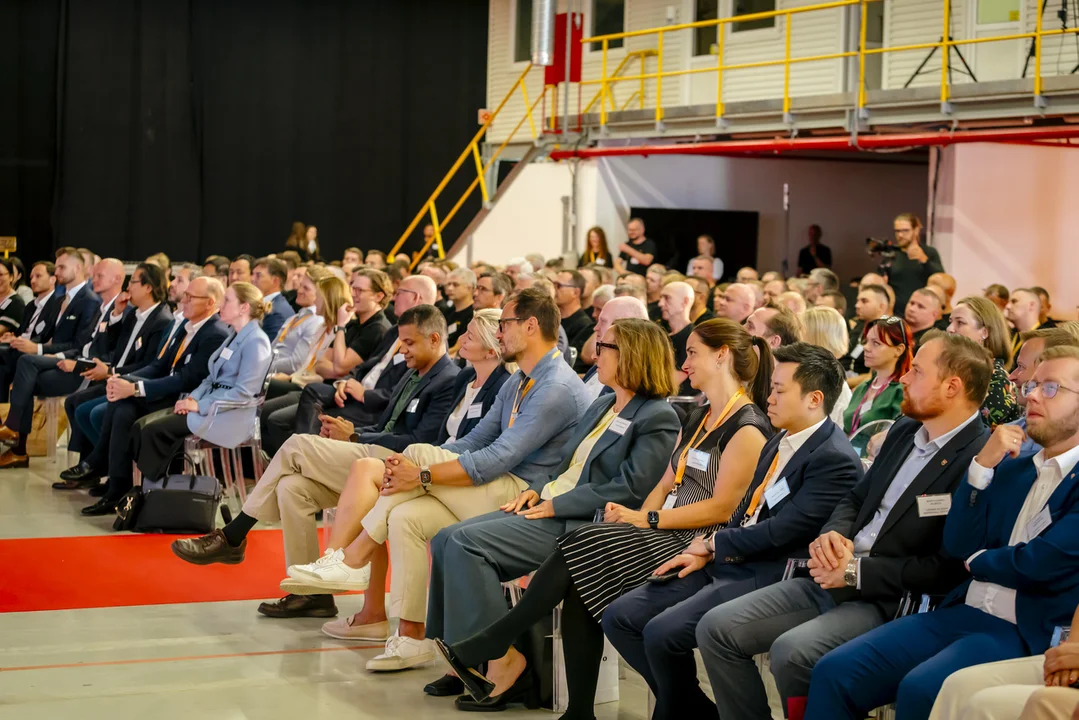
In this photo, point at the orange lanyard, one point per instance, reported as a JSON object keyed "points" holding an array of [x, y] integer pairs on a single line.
{"points": [[759, 492], [520, 398], [683, 458], [183, 346], [298, 320], [316, 350]]}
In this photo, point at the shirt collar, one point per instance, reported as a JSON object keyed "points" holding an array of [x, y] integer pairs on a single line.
{"points": [[546, 364], [75, 290], [1064, 463], [141, 315], [798, 439], [270, 297], [921, 438], [193, 328], [40, 301]]}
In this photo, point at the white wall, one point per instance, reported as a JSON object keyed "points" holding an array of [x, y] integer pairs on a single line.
{"points": [[1019, 231]]}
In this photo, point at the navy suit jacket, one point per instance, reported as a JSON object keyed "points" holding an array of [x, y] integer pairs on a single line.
{"points": [[425, 414], [161, 380], [74, 328], [152, 333], [819, 475], [1044, 571], [103, 337], [47, 316], [486, 397], [279, 313]]}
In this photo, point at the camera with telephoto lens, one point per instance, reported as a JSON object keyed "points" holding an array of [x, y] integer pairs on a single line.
{"points": [[885, 246]]}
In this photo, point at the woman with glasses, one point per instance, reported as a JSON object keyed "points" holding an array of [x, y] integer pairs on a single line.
{"points": [[887, 342], [981, 320], [703, 484]]}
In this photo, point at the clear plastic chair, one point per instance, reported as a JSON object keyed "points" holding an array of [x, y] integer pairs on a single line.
{"points": [[867, 431]]}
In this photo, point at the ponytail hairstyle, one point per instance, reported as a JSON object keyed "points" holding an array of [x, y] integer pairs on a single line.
{"points": [[751, 358], [248, 293]]}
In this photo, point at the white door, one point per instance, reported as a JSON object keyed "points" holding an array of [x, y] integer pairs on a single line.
{"points": [[1001, 60]]}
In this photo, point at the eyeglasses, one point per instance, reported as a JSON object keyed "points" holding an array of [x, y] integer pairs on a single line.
{"points": [[187, 297], [135, 281], [889, 320], [1049, 389], [503, 321], [601, 345], [402, 291]]}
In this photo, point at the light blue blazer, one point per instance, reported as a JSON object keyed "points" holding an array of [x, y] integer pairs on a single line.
{"points": [[292, 353], [238, 367]]}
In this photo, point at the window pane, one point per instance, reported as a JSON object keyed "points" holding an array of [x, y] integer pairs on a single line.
{"points": [[608, 16], [704, 38], [991, 12], [747, 7], [522, 45]]}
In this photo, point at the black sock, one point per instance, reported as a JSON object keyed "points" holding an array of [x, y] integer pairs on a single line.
{"points": [[20, 445], [236, 531]]}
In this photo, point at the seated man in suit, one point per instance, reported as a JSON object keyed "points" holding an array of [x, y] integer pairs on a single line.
{"points": [[45, 368], [156, 386], [882, 540], [38, 322], [1014, 521], [309, 471], [801, 475], [141, 332], [269, 276]]}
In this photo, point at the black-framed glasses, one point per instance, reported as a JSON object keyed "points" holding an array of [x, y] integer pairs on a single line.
{"points": [[503, 321], [1049, 388], [601, 345]]}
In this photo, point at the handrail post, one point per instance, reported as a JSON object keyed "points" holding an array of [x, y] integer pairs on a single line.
{"points": [[640, 92], [787, 69], [861, 58], [438, 231], [659, 81], [603, 89], [721, 37], [479, 174], [528, 109], [946, 51], [1038, 61]]}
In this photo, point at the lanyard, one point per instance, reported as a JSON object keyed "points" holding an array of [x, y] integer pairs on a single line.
{"points": [[520, 396], [681, 471], [298, 320], [759, 492], [180, 351]]}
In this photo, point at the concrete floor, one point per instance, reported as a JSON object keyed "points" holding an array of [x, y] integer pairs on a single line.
{"points": [[211, 661]]}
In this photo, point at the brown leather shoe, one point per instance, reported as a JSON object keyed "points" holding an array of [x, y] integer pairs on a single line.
{"points": [[294, 606], [7, 435], [9, 460], [209, 549]]}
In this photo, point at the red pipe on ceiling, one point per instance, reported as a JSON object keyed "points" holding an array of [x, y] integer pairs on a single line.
{"points": [[842, 142]]}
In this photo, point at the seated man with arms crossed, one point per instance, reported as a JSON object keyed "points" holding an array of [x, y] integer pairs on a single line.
{"points": [[1014, 521], [881, 541], [308, 473]]}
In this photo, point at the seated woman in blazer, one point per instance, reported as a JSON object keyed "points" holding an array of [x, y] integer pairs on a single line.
{"points": [[478, 384], [237, 373], [889, 352]]}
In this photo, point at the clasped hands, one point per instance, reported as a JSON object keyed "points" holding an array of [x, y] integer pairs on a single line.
{"points": [[118, 389], [1062, 664], [348, 388], [828, 558]]}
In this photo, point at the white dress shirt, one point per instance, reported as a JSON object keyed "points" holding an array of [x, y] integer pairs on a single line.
{"points": [[70, 295], [191, 329], [39, 305], [140, 320], [997, 600], [371, 378], [789, 445]]}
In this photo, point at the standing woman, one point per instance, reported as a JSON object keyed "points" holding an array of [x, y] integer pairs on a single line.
{"points": [[706, 479], [706, 247], [311, 244], [888, 356], [981, 320], [237, 371], [596, 251]]}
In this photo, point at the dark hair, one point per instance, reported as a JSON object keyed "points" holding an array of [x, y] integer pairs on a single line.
{"points": [[785, 324], [21, 269], [576, 280], [427, 319], [998, 291], [396, 273], [380, 283], [894, 331], [220, 263], [275, 267], [154, 277], [536, 303], [879, 290], [291, 258], [9, 264], [50, 267], [817, 371], [500, 282], [965, 359], [754, 368], [1040, 292], [244, 256], [839, 299]]}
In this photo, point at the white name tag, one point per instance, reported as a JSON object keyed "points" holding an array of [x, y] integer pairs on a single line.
{"points": [[619, 425], [934, 505], [138, 343], [226, 353], [775, 494], [672, 497], [187, 360], [600, 261], [698, 460], [398, 359], [40, 326], [475, 410], [101, 326], [451, 329], [413, 405], [634, 261], [1039, 523], [857, 352]]}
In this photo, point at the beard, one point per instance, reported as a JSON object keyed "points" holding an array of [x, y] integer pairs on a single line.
{"points": [[1048, 433], [925, 410]]}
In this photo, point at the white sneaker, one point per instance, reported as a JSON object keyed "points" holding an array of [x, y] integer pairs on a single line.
{"points": [[331, 573], [402, 653]]}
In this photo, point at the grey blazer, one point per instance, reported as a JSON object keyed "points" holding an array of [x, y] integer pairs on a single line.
{"points": [[622, 468], [293, 350]]}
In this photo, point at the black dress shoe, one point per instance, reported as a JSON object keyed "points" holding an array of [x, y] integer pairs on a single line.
{"points": [[519, 693], [101, 490], [77, 485], [101, 507], [479, 686], [445, 686], [82, 471], [294, 606]]}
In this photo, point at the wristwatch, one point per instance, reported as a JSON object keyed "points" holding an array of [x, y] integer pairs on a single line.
{"points": [[710, 543], [850, 575], [354, 438], [425, 477], [653, 519]]}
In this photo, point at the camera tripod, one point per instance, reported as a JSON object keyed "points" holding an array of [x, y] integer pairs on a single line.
{"points": [[1062, 14], [951, 48]]}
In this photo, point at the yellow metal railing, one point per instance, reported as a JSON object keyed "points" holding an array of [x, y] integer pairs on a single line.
{"points": [[602, 93], [606, 81], [473, 148]]}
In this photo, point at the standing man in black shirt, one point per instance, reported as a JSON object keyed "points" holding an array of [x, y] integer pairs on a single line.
{"points": [[814, 255], [575, 320], [913, 264], [460, 285], [640, 252]]}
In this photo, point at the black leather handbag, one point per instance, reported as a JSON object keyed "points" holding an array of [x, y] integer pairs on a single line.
{"points": [[178, 504]]}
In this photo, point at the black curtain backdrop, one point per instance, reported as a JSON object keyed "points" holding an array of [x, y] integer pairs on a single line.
{"points": [[208, 126]]}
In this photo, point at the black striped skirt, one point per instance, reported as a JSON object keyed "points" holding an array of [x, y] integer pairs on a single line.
{"points": [[607, 560]]}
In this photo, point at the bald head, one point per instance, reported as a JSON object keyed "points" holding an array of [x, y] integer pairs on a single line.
{"points": [[675, 300], [737, 302], [108, 277], [619, 308], [414, 290]]}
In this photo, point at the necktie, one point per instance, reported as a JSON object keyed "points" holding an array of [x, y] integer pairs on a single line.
{"points": [[168, 341], [64, 304], [402, 400]]}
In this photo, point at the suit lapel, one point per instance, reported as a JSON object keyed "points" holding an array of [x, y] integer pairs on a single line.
{"points": [[798, 460], [606, 439], [768, 453], [440, 364]]}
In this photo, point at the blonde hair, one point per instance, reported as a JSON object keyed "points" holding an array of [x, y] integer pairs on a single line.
{"points": [[645, 358], [998, 340], [486, 329], [826, 328], [248, 294], [335, 294], [316, 273]]}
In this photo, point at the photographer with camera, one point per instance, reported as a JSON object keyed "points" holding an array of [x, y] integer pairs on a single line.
{"points": [[905, 261]]}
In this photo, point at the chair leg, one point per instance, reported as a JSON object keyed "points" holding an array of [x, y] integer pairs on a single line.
{"points": [[52, 424], [256, 457], [238, 468]]}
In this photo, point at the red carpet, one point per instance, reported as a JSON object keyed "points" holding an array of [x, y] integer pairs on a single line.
{"points": [[121, 570]]}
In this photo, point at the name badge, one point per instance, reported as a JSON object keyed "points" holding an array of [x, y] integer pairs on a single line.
{"points": [[187, 360], [672, 497], [775, 494], [451, 329], [1039, 523], [3, 305], [857, 352], [619, 426], [634, 261], [138, 343], [600, 261], [398, 359], [475, 410], [934, 505], [101, 326], [698, 460], [226, 353], [413, 405], [40, 326]]}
